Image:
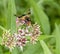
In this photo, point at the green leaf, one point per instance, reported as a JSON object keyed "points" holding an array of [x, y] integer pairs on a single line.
{"points": [[16, 50], [1, 51], [45, 47], [40, 17], [11, 19], [42, 37], [2, 28], [33, 49], [29, 49], [57, 37], [0, 40]]}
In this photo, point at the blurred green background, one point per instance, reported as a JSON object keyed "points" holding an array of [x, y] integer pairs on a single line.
{"points": [[51, 8]]}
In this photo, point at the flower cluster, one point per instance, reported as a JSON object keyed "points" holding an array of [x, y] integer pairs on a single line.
{"points": [[8, 40], [19, 38]]}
